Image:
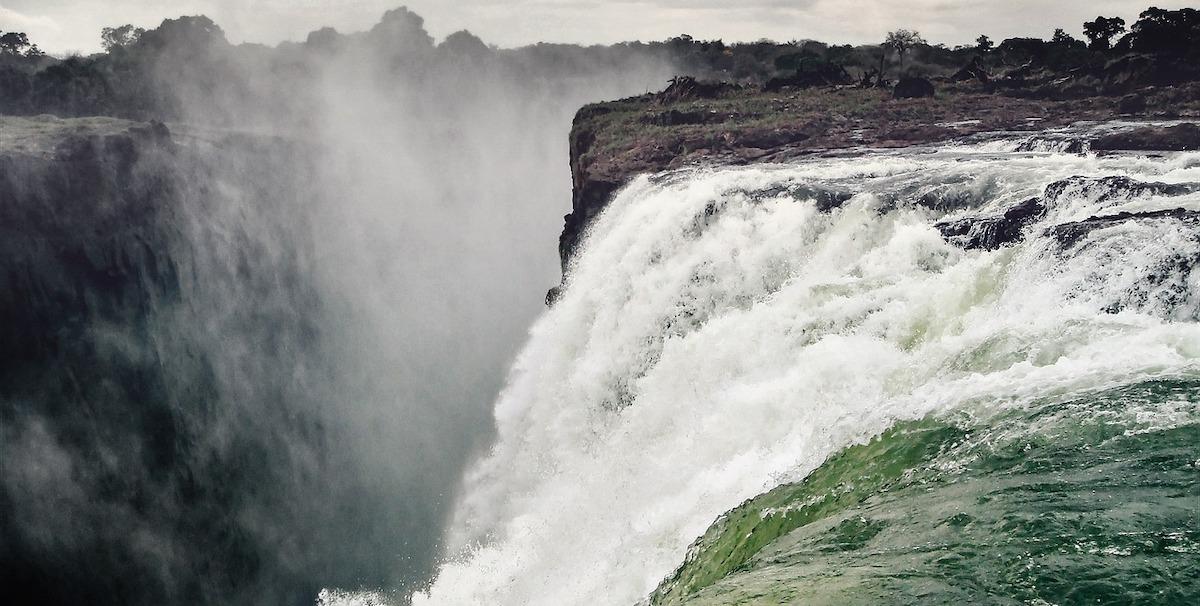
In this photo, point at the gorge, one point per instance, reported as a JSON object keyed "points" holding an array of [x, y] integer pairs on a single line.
{"points": [[274, 329]]}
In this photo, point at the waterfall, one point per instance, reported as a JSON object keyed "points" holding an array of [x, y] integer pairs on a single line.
{"points": [[725, 331]]}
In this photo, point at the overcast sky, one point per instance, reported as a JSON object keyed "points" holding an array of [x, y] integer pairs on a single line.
{"points": [[73, 25]]}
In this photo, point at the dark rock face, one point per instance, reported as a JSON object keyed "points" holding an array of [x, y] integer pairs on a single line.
{"points": [[1070, 234], [141, 468], [1114, 187], [105, 190], [1164, 278], [589, 195], [990, 233], [913, 88], [1065, 144], [1182, 137]]}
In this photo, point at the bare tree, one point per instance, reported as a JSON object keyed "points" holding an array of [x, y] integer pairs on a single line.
{"points": [[902, 41]]}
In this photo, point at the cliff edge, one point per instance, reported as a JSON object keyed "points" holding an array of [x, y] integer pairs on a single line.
{"points": [[696, 123]]}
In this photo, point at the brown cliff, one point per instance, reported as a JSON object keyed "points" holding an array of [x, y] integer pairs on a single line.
{"points": [[614, 141]]}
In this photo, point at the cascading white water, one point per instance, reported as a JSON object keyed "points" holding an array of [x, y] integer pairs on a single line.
{"points": [[723, 332]]}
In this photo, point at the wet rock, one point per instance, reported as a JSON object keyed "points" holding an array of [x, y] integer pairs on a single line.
{"points": [[1114, 187], [1069, 234], [1054, 144], [100, 266], [990, 233], [1182, 137], [913, 88]]}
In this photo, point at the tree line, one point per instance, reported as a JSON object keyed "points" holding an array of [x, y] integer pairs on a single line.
{"points": [[153, 73]]}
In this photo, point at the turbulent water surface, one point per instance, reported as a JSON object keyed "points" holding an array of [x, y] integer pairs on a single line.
{"points": [[912, 419]]}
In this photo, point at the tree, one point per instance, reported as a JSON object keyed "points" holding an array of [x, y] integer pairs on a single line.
{"points": [[184, 35], [13, 43], [902, 41], [1164, 31], [120, 37], [983, 44], [1062, 38], [1101, 31]]}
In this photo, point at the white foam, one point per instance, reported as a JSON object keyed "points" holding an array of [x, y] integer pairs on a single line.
{"points": [[699, 357]]}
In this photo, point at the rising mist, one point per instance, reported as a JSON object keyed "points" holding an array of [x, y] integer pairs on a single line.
{"points": [[359, 230]]}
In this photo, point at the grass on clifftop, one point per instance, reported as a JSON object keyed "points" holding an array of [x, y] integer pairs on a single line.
{"points": [[645, 134]]}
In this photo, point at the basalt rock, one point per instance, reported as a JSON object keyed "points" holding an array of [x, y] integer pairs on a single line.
{"points": [[82, 235], [1070, 234], [913, 88], [1182, 137], [109, 385], [589, 194], [990, 233], [1114, 187]]}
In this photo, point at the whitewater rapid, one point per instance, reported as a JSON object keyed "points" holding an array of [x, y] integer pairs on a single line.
{"points": [[724, 331]]}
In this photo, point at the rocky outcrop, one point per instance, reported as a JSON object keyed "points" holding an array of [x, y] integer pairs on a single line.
{"points": [[990, 233], [1135, 71], [1103, 189], [589, 192], [701, 123], [913, 88], [1070, 234], [1182, 137]]}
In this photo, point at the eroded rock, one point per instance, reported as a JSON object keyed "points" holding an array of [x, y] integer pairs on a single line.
{"points": [[1182, 137], [1070, 234], [913, 88], [990, 233]]}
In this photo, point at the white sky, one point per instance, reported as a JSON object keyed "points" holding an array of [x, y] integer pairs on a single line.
{"points": [[73, 25]]}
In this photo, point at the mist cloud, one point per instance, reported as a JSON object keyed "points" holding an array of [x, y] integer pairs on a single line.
{"points": [[360, 230]]}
